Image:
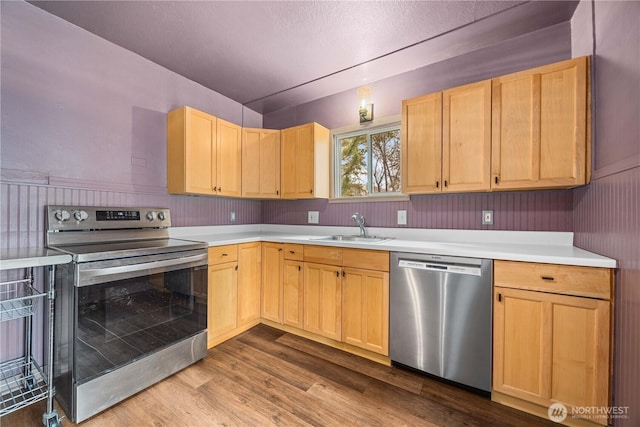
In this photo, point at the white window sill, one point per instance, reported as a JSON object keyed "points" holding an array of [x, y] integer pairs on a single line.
{"points": [[366, 199]]}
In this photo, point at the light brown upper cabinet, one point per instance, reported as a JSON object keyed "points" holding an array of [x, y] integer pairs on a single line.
{"points": [[261, 163], [305, 162], [203, 154], [466, 137], [447, 140], [422, 144], [541, 127]]}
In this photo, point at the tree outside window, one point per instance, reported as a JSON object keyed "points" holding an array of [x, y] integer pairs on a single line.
{"points": [[369, 162]]}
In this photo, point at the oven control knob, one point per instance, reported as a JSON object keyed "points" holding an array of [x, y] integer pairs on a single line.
{"points": [[151, 215], [62, 215], [80, 215], [161, 216]]}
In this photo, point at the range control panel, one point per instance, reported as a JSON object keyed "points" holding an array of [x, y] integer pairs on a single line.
{"points": [[70, 218]]}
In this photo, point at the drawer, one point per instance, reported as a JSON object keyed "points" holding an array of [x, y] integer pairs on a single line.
{"points": [[323, 255], [365, 258], [590, 282], [222, 254], [293, 251]]}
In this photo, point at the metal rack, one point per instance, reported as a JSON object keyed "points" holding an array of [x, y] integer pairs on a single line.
{"points": [[22, 380]]}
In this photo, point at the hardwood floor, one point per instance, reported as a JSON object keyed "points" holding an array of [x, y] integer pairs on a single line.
{"points": [[268, 377]]}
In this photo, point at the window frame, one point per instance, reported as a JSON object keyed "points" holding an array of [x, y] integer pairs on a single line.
{"points": [[392, 123]]}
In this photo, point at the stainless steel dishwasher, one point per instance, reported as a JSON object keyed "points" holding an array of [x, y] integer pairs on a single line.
{"points": [[440, 316]]}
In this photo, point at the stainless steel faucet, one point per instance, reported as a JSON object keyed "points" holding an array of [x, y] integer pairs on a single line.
{"points": [[359, 219]]}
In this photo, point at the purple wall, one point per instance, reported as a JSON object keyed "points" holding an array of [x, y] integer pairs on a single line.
{"points": [[541, 47], [607, 212], [528, 211], [84, 122]]}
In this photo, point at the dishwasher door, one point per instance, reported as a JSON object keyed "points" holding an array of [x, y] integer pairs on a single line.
{"points": [[440, 316]]}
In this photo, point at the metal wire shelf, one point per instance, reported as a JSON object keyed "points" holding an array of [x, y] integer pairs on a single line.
{"points": [[22, 382], [18, 299]]}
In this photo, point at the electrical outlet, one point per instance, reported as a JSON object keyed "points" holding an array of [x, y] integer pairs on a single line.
{"points": [[487, 217], [232, 216], [314, 217], [402, 217]]}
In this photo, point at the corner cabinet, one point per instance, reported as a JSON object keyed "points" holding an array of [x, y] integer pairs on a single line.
{"points": [[234, 290], [260, 163], [552, 336], [447, 140], [203, 154], [541, 127], [305, 152]]}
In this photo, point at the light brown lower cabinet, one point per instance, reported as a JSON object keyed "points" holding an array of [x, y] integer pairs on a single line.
{"points": [[271, 294], [365, 309], [292, 299], [550, 347], [234, 290], [322, 306]]}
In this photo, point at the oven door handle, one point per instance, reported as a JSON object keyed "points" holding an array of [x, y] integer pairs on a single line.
{"points": [[92, 276]]}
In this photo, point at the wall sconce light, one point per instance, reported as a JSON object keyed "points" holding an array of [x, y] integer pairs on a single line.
{"points": [[365, 112]]}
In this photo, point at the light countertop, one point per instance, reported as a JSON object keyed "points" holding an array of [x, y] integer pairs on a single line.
{"points": [[31, 257], [542, 247]]}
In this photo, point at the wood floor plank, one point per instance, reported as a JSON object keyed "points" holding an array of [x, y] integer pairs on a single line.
{"points": [[269, 364], [266, 377], [281, 394], [347, 377], [367, 411], [387, 374]]}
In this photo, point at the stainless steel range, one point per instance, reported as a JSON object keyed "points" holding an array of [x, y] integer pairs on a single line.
{"points": [[131, 308]]}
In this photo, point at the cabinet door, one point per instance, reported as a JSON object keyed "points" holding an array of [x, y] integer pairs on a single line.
{"points": [[422, 144], [551, 348], [466, 137], [249, 278], [222, 299], [228, 165], [521, 336], [365, 309], [261, 163], [293, 294], [322, 300], [298, 162], [272, 276], [540, 127], [191, 151]]}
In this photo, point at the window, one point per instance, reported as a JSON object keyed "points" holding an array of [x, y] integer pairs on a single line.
{"points": [[368, 162]]}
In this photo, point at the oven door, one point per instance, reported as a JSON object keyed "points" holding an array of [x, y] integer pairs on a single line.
{"points": [[130, 308]]}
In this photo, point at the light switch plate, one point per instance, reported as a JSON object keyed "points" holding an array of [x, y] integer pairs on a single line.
{"points": [[402, 217], [487, 217], [232, 216], [314, 217]]}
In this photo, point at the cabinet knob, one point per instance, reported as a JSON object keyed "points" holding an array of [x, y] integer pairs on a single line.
{"points": [[215, 188], [219, 188], [446, 184], [437, 184], [299, 268], [311, 191], [548, 278], [277, 192], [497, 179], [499, 297], [337, 274]]}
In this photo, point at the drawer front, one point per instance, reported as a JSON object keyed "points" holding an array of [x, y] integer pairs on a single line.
{"points": [[222, 254], [323, 255], [589, 282], [367, 259], [293, 251]]}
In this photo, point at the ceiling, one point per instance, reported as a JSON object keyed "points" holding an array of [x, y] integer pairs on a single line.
{"points": [[270, 55]]}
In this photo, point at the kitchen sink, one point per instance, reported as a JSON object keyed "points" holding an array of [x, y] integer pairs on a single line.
{"points": [[350, 238]]}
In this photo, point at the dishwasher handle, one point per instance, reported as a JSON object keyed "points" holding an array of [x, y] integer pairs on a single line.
{"points": [[470, 270]]}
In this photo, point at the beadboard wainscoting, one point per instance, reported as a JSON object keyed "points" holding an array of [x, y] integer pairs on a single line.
{"points": [[548, 210]]}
